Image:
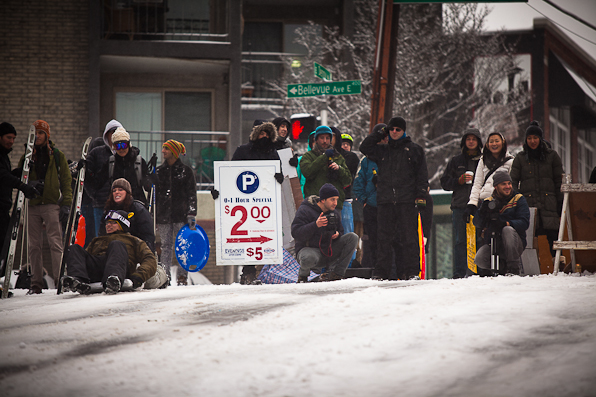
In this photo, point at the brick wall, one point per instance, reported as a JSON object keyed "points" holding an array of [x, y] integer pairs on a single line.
{"points": [[44, 70]]}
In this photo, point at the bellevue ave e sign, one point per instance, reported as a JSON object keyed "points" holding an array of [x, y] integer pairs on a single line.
{"points": [[350, 87]]}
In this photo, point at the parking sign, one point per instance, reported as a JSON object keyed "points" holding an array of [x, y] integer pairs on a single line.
{"points": [[248, 213]]}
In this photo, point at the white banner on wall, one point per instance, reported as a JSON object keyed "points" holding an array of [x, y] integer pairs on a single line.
{"points": [[248, 214]]}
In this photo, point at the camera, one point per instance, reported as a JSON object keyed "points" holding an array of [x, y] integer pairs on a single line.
{"points": [[493, 211], [332, 221]]}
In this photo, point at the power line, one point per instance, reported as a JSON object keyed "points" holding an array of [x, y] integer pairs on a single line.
{"points": [[556, 23], [569, 14]]}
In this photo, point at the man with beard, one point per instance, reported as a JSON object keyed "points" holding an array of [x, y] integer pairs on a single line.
{"points": [[324, 164], [49, 167], [261, 146], [320, 239], [507, 214], [402, 188]]}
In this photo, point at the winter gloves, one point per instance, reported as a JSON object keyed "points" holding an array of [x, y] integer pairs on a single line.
{"points": [[192, 223], [294, 161], [470, 210], [29, 191], [330, 152], [137, 280], [279, 177], [214, 193], [64, 212]]}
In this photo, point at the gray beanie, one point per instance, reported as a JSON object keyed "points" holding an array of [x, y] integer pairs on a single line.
{"points": [[500, 177]]}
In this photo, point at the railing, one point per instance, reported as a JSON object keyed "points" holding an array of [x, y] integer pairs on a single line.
{"points": [[165, 20], [202, 149]]}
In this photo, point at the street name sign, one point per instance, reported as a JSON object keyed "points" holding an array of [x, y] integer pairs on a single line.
{"points": [[248, 213], [322, 72], [350, 87]]}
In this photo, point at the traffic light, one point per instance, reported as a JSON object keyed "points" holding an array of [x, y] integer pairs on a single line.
{"points": [[302, 125]]}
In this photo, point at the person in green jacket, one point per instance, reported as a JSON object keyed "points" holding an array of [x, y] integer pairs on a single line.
{"points": [[49, 172], [323, 164]]}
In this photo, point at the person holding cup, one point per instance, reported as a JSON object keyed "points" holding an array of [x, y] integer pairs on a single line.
{"points": [[458, 177]]}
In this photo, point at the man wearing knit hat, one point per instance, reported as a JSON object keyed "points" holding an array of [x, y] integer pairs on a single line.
{"points": [[320, 239], [458, 177], [175, 201], [8, 181], [48, 168], [324, 164], [110, 259], [537, 173], [402, 184], [506, 215]]}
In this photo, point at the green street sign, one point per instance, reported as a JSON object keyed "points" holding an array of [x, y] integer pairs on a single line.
{"points": [[350, 87], [322, 72]]}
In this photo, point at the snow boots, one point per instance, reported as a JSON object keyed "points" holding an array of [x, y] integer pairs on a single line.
{"points": [[112, 285], [75, 285]]}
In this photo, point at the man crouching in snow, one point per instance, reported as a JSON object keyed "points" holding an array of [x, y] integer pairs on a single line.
{"points": [[320, 239], [110, 259]]}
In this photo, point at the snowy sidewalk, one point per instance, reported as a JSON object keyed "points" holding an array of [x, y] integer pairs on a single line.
{"points": [[505, 336]]}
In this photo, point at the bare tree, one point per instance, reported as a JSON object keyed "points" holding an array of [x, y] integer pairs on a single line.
{"points": [[449, 76]]}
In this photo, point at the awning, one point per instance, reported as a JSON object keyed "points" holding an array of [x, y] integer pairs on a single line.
{"points": [[586, 87]]}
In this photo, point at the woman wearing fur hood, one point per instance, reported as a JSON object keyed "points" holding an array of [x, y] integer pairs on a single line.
{"points": [[261, 144]]}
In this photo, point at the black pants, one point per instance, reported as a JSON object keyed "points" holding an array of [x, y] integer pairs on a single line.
{"points": [[397, 234], [369, 246], [91, 269]]}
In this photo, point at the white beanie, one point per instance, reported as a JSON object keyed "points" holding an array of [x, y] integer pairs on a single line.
{"points": [[112, 124], [120, 135]]}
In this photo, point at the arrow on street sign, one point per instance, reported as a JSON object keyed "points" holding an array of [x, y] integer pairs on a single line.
{"points": [[322, 72], [261, 240], [350, 87]]}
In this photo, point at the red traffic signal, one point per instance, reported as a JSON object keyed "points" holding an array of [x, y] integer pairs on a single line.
{"points": [[302, 125]]}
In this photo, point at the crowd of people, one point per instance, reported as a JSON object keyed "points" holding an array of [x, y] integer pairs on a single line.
{"points": [[381, 196]]}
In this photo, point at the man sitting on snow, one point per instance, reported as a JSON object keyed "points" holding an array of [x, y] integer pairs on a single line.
{"points": [[320, 239], [506, 214], [110, 259]]}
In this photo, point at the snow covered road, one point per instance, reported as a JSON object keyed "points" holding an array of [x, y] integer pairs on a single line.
{"points": [[505, 336]]}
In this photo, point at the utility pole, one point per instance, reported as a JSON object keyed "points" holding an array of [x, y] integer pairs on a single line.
{"points": [[384, 63]]}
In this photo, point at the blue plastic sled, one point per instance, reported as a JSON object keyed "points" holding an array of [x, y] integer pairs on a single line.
{"points": [[192, 248]]}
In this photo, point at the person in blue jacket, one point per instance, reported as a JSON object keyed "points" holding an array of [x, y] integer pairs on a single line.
{"points": [[505, 213]]}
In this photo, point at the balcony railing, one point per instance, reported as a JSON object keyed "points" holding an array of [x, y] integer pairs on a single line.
{"points": [[202, 149], [200, 20]]}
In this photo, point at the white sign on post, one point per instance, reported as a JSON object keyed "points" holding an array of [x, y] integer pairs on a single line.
{"points": [[248, 214]]}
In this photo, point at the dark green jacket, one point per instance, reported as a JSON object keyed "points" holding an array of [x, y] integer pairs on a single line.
{"points": [[54, 184], [539, 180], [314, 165], [138, 252]]}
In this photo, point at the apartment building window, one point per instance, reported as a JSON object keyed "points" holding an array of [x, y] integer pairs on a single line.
{"points": [[586, 160], [560, 135]]}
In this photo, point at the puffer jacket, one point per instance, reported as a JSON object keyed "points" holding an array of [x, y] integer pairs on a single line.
{"points": [[483, 186], [54, 184], [539, 180], [364, 189], [403, 176], [304, 226], [175, 193], [124, 167], [314, 165], [138, 252]]}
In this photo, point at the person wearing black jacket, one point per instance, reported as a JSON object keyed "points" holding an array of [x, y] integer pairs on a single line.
{"points": [[8, 181], [175, 202], [402, 185], [458, 177], [97, 178], [320, 239], [261, 146], [283, 140]]}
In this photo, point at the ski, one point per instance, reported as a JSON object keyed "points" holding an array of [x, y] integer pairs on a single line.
{"points": [[73, 217], [15, 219]]}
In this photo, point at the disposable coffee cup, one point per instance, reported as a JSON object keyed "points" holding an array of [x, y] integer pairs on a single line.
{"points": [[472, 174]]}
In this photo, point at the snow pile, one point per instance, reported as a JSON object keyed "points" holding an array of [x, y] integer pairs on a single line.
{"points": [[479, 336]]}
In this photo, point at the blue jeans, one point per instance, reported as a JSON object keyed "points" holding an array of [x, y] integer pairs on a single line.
{"points": [[347, 221], [97, 215]]}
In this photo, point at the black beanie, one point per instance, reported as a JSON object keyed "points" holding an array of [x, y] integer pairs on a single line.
{"points": [[500, 177], [377, 127], [327, 190], [397, 122], [534, 129], [258, 122], [7, 128]]}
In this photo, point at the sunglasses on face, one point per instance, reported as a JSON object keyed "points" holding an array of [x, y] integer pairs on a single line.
{"points": [[395, 129], [121, 145]]}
